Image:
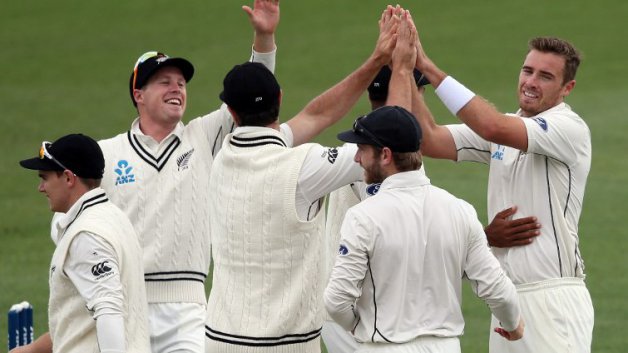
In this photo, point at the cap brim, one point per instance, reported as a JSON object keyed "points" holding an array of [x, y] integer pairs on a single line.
{"points": [[182, 64], [40, 164], [351, 137]]}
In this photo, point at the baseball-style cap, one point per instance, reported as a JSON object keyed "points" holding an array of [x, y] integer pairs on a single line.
{"points": [[378, 89], [389, 126], [147, 64], [77, 153], [250, 88]]}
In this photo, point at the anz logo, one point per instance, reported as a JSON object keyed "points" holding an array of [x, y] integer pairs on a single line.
{"points": [[124, 173], [499, 153]]}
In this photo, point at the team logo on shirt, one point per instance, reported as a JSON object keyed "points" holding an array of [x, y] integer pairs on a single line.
{"points": [[542, 123], [101, 270], [184, 159], [373, 189], [343, 250], [499, 153], [332, 154], [124, 173]]}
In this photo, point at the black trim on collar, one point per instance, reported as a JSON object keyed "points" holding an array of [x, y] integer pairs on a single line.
{"points": [[256, 141], [92, 201], [156, 162]]}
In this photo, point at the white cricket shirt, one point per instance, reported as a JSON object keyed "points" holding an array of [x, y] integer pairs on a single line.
{"points": [[547, 181], [403, 254]]}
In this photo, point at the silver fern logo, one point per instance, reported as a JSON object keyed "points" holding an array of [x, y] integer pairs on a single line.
{"points": [[184, 159]]}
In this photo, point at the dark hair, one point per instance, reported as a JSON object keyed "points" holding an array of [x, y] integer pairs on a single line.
{"points": [[263, 118], [559, 47], [90, 183], [404, 161]]}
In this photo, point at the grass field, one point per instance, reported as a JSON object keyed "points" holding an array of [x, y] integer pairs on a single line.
{"points": [[66, 66]]}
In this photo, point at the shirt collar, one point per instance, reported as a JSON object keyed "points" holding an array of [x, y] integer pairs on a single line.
{"points": [[88, 199], [135, 129], [258, 131], [412, 178]]}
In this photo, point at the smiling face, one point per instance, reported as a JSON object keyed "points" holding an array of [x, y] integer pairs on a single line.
{"points": [[541, 84], [162, 100]]}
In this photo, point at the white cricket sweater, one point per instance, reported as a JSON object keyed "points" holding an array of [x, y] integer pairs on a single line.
{"points": [[164, 190], [72, 326], [269, 272]]}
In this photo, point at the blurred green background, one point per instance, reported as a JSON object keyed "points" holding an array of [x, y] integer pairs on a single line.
{"points": [[65, 68]]}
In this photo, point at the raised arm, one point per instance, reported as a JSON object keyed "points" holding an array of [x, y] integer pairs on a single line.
{"points": [[264, 17], [403, 59], [473, 110], [437, 141], [333, 104]]}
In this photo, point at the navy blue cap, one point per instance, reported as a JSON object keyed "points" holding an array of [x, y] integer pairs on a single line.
{"points": [[250, 88], [378, 89], [389, 126], [75, 152]]}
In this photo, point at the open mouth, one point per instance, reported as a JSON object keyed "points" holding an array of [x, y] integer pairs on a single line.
{"points": [[174, 101]]}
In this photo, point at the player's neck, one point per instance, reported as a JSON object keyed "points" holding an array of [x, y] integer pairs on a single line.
{"points": [[157, 130]]}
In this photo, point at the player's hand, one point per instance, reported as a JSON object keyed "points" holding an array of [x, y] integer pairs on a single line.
{"points": [[511, 335], [404, 53], [264, 16], [504, 232], [388, 24]]}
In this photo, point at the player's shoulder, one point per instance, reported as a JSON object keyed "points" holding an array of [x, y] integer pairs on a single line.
{"points": [[113, 141]]}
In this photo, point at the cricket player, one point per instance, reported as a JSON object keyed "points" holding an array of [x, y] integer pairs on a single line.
{"points": [[97, 297], [539, 161], [158, 173], [396, 284], [268, 229], [336, 338]]}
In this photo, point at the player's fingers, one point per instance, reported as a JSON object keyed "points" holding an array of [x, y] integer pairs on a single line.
{"points": [[506, 213], [521, 221], [502, 332], [248, 10], [527, 228]]}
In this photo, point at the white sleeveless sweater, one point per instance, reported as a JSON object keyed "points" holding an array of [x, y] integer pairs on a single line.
{"points": [[269, 266], [72, 327]]}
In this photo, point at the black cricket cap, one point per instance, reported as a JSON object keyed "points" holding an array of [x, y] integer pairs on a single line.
{"points": [[76, 152], [378, 89], [389, 126], [250, 88], [147, 64]]}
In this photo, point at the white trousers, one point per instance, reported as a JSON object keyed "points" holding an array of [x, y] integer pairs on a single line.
{"points": [[558, 317], [425, 344], [177, 327]]}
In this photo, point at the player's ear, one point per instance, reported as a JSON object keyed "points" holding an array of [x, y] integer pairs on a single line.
{"points": [[386, 157], [138, 95]]}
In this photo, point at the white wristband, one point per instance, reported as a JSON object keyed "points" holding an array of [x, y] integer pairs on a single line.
{"points": [[453, 94]]}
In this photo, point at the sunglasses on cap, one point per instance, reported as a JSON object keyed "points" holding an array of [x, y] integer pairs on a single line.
{"points": [[359, 129], [43, 153], [142, 59]]}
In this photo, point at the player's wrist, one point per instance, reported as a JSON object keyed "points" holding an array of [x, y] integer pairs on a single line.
{"points": [[453, 94]]}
